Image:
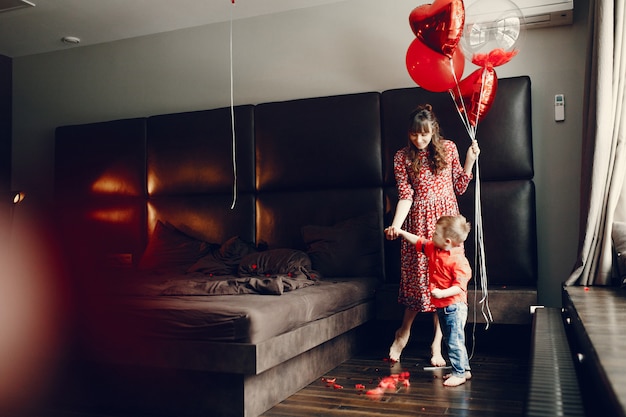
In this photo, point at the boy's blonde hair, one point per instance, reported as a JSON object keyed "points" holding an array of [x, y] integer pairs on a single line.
{"points": [[455, 228]]}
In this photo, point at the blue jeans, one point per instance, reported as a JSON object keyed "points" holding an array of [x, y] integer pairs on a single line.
{"points": [[452, 320]]}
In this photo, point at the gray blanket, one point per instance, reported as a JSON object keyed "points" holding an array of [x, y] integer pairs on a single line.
{"points": [[231, 285]]}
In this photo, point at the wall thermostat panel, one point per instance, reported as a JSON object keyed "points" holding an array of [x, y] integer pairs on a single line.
{"points": [[559, 107]]}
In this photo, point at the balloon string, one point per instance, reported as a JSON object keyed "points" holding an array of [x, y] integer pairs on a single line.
{"points": [[483, 262], [232, 114], [481, 106], [479, 259], [462, 113]]}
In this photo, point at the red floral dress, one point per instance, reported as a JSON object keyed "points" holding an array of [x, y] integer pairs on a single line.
{"points": [[433, 196]]}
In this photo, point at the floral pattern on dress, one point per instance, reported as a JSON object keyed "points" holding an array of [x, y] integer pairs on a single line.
{"points": [[432, 196]]}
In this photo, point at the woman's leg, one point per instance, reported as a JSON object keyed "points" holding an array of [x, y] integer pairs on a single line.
{"points": [[435, 348], [402, 335]]}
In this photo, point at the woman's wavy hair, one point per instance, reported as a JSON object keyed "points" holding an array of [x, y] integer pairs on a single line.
{"points": [[422, 120]]}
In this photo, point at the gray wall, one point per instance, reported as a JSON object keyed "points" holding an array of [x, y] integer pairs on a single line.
{"points": [[346, 47]]}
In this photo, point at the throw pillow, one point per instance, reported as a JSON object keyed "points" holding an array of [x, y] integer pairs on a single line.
{"points": [[352, 248], [169, 247]]}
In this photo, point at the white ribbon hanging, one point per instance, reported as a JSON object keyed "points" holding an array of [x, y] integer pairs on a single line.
{"points": [[480, 264], [232, 113], [480, 260]]}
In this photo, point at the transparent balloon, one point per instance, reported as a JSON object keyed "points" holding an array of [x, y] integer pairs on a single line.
{"points": [[492, 24]]}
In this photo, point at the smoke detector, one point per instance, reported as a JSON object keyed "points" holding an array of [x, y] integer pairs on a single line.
{"points": [[70, 40]]}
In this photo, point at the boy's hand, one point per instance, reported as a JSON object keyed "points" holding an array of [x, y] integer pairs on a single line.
{"points": [[448, 292], [437, 293]]}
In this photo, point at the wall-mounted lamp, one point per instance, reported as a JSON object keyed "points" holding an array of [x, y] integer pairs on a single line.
{"points": [[9, 201], [12, 197], [18, 196]]}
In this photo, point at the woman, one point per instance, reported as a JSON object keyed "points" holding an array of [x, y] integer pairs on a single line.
{"points": [[428, 176]]}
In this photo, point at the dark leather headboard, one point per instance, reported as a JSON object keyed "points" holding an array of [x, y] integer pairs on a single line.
{"points": [[310, 161], [506, 173]]}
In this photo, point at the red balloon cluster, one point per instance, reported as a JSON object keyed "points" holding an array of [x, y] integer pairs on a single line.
{"points": [[436, 63]]}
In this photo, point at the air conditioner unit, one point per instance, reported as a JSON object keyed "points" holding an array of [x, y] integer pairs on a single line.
{"points": [[535, 13], [544, 13]]}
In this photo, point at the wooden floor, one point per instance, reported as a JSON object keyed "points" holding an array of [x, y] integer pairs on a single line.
{"points": [[498, 387]]}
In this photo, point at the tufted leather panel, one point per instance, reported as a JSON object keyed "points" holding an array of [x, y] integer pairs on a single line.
{"points": [[281, 215], [319, 143], [510, 234], [100, 186], [206, 217], [100, 159], [106, 226], [191, 153]]}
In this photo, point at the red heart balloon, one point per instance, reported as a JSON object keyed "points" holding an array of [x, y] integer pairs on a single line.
{"points": [[439, 25], [477, 93], [431, 70]]}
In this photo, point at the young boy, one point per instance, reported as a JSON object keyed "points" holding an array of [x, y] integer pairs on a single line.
{"points": [[449, 273]]}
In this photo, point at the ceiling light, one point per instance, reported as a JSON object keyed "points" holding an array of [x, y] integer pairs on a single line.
{"points": [[7, 5], [70, 40]]}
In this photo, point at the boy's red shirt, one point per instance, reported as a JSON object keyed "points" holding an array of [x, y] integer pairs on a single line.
{"points": [[446, 269]]}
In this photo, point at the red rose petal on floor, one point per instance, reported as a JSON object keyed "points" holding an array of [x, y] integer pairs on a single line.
{"points": [[376, 392], [329, 381], [388, 383]]}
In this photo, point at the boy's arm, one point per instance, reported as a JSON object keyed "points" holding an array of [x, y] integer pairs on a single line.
{"points": [[462, 274], [448, 292], [410, 237]]}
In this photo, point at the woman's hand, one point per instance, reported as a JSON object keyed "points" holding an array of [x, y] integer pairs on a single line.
{"points": [[472, 155], [391, 233], [473, 151]]}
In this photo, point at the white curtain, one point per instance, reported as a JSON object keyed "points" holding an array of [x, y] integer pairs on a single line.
{"points": [[603, 152]]}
